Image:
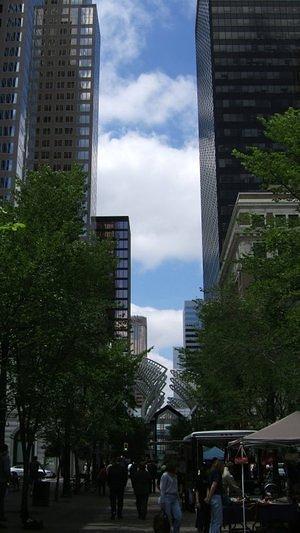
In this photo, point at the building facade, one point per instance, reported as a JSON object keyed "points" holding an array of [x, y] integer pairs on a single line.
{"points": [[64, 95], [139, 335], [248, 64], [240, 242], [16, 29], [117, 230], [191, 323]]}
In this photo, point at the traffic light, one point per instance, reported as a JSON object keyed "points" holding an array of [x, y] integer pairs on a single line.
{"points": [[125, 447]]}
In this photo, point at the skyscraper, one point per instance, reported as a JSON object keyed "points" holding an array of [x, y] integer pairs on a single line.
{"points": [[117, 230], [63, 125], [248, 61], [16, 29], [191, 323], [138, 334], [49, 82]]}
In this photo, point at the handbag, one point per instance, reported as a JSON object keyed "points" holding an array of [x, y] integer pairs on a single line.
{"points": [[161, 523]]}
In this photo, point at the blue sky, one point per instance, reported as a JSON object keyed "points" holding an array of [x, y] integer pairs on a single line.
{"points": [[148, 154]]}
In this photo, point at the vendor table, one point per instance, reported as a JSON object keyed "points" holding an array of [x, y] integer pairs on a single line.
{"points": [[233, 516], [279, 513]]}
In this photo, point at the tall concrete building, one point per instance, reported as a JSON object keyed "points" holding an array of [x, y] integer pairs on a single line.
{"points": [[248, 64], [191, 323], [139, 334], [63, 125], [16, 30], [49, 77]]}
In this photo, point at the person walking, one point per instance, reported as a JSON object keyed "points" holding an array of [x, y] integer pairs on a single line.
{"points": [[169, 497], [141, 482], [116, 480], [102, 478], [214, 496], [4, 477], [152, 469]]}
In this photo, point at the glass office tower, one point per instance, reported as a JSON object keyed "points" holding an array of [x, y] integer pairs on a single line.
{"points": [[117, 230], [16, 28], [63, 126], [248, 65]]}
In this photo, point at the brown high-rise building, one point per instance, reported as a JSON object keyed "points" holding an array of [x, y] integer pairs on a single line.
{"points": [[49, 89], [63, 122]]}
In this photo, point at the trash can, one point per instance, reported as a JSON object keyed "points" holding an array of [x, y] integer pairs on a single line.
{"points": [[41, 493]]}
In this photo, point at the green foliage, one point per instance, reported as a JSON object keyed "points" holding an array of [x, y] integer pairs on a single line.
{"points": [[278, 168], [65, 371], [248, 370]]}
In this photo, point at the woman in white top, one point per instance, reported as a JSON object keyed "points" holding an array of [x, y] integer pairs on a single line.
{"points": [[169, 497]]}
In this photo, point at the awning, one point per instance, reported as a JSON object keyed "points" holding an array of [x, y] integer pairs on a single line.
{"points": [[284, 432]]}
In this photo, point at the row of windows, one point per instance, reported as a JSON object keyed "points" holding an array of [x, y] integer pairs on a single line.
{"points": [[248, 74], [7, 114], [256, 9], [290, 49], [9, 82], [12, 66], [5, 182], [7, 131], [6, 164], [255, 61], [255, 22], [13, 36], [6, 147], [63, 131], [275, 89], [41, 52], [62, 63], [241, 35], [8, 98], [58, 155]]}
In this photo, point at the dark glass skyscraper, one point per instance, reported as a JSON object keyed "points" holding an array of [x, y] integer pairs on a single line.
{"points": [[117, 230], [248, 65]]}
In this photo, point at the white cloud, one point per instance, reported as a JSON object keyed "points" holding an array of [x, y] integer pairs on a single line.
{"points": [[123, 29], [157, 185], [151, 99], [164, 326]]}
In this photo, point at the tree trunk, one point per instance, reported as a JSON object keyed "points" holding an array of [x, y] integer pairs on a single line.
{"points": [[26, 448], [67, 461], [56, 493], [77, 473], [3, 387]]}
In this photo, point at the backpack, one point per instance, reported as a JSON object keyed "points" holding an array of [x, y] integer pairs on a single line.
{"points": [[161, 523]]}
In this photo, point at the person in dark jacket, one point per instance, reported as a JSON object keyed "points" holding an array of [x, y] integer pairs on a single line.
{"points": [[116, 480], [4, 477], [141, 482]]}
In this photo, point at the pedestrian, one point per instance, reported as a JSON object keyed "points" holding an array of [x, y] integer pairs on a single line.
{"points": [[152, 469], [203, 509], [141, 482], [4, 477], [214, 496], [169, 497], [34, 472], [102, 478], [116, 480]]}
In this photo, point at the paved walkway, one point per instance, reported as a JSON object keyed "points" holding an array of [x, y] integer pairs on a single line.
{"points": [[89, 512]]}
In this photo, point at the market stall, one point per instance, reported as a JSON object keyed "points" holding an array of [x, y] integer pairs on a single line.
{"points": [[268, 512]]}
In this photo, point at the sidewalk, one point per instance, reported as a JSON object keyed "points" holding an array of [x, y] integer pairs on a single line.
{"points": [[89, 512]]}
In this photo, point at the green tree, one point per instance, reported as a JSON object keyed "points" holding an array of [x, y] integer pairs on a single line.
{"points": [[248, 370], [57, 288], [279, 168]]}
